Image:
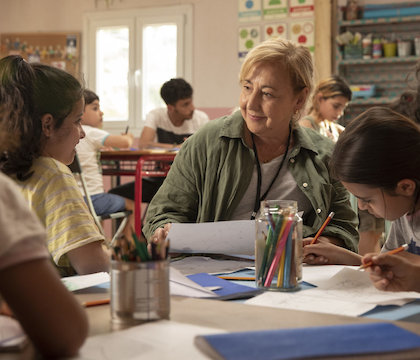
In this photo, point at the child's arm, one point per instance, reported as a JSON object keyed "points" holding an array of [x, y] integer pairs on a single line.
{"points": [[89, 258], [53, 319], [119, 141], [147, 139]]}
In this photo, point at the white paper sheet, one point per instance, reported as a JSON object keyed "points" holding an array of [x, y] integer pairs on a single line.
{"points": [[356, 285], [314, 274], [73, 283], [222, 237], [349, 292], [196, 264], [182, 286], [158, 340]]}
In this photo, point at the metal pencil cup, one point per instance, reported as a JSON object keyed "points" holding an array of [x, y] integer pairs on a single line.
{"points": [[278, 246], [139, 292]]}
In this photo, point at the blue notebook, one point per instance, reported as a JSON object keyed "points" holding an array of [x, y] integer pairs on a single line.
{"points": [[228, 289], [308, 343]]}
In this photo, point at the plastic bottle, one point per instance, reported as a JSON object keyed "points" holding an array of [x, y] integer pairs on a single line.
{"points": [[376, 48], [367, 47]]}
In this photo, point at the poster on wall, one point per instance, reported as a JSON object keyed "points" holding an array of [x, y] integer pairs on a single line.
{"points": [[249, 10], [60, 50], [302, 8], [303, 33], [274, 9], [249, 37], [275, 30]]}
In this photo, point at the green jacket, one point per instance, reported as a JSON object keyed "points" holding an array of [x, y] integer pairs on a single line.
{"points": [[213, 169]]}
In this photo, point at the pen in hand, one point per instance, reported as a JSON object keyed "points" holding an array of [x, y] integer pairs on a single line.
{"points": [[394, 251], [327, 220]]}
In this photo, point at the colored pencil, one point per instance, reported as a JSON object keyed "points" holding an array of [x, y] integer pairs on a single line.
{"points": [[327, 220], [394, 251], [277, 255], [245, 278], [95, 302]]}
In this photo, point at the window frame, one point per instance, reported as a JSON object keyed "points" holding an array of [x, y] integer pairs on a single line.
{"points": [[135, 20]]}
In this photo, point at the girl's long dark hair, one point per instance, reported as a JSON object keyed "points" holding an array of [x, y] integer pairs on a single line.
{"points": [[378, 148], [27, 92]]}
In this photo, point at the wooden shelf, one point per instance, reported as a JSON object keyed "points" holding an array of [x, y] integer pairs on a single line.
{"points": [[382, 60], [388, 20], [372, 101]]}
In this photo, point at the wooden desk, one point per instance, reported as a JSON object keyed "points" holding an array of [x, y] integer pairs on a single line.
{"points": [[137, 163], [229, 316], [233, 316]]}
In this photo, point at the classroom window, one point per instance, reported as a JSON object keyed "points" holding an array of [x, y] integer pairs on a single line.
{"points": [[128, 55]]}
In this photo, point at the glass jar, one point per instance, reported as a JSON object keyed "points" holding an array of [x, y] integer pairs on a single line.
{"points": [[278, 246]]}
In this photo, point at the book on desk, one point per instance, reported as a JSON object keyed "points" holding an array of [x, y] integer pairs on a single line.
{"points": [[336, 341]]}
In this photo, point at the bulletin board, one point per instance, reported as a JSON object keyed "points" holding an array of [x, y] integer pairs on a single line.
{"points": [[61, 50], [263, 19]]}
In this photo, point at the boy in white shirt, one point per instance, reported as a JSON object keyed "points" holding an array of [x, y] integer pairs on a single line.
{"points": [[88, 152]]}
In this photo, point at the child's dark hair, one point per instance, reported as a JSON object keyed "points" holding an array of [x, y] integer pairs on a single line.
{"points": [[378, 148], [27, 92], [89, 96], [174, 90]]}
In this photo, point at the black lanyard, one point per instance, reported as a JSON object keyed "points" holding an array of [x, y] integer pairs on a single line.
{"points": [[258, 197]]}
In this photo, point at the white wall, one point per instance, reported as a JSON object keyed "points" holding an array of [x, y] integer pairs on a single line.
{"points": [[215, 64]]}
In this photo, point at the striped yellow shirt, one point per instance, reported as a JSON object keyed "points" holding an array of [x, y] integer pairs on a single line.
{"points": [[54, 196]]}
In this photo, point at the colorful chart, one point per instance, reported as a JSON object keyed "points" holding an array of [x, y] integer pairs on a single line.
{"points": [[249, 37], [303, 33], [275, 9], [275, 30], [302, 8], [249, 10]]}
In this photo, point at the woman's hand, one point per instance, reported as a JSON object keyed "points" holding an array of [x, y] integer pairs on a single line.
{"points": [[158, 240], [324, 252], [394, 272]]}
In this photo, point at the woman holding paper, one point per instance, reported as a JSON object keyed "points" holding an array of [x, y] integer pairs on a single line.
{"points": [[231, 164]]}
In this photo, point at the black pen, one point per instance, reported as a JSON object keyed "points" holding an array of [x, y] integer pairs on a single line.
{"points": [[126, 129]]}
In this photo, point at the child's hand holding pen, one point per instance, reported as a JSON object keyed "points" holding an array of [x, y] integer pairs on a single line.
{"points": [[393, 272]]}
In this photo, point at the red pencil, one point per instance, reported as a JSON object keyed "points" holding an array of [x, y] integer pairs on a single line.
{"points": [[95, 302], [327, 220]]}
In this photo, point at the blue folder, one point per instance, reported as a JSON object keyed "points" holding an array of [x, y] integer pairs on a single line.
{"points": [[228, 289], [308, 343]]}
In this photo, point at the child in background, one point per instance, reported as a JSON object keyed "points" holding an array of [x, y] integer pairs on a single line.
{"points": [[46, 107], [29, 283], [88, 151], [329, 100], [328, 103], [376, 159]]}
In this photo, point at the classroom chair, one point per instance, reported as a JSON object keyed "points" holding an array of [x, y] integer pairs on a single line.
{"points": [[121, 216]]}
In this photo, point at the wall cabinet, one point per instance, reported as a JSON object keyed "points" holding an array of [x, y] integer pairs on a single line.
{"points": [[390, 75]]}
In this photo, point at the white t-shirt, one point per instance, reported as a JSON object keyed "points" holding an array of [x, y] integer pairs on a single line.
{"points": [[168, 133], [405, 230], [88, 153], [22, 236]]}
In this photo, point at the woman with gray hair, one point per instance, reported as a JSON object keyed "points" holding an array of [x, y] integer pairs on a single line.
{"points": [[230, 165]]}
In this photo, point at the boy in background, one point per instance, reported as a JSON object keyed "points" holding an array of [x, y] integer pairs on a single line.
{"points": [[88, 149], [166, 127]]}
